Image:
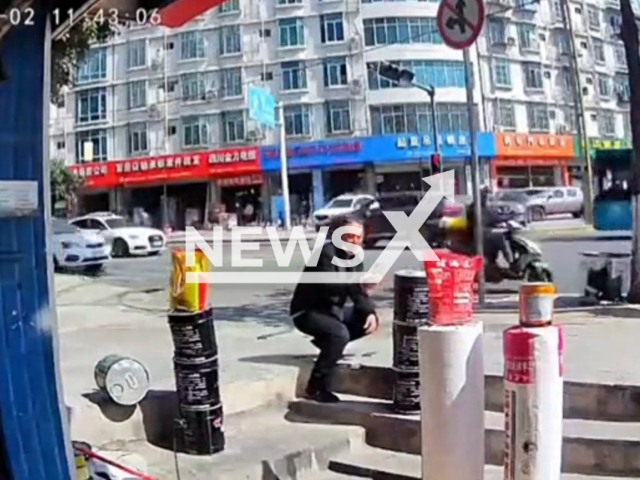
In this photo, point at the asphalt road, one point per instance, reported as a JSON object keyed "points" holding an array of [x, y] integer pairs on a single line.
{"points": [[153, 272]]}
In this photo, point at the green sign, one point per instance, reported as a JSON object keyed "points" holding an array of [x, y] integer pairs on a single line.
{"points": [[601, 144]]}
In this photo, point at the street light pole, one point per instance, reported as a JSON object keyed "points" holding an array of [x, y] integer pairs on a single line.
{"points": [[475, 171]]}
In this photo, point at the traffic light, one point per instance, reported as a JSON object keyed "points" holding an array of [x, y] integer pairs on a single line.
{"points": [[436, 163], [395, 73]]}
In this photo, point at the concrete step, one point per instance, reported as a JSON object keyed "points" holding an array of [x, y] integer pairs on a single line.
{"points": [[593, 401], [260, 445], [378, 464], [590, 447]]}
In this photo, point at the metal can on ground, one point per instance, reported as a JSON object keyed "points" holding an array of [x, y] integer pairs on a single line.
{"points": [[193, 334], [201, 430], [123, 379]]}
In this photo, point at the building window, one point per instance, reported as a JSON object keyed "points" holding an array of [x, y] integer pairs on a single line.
{"points": [[196, 131], [563, 43], [607, 124], [233, 127], [566, 80], [439, 73], [138, 139], [569, 118], [416, 118], [331, 28], [294, 76], [538, 117], [593, 19], [528, 37], [502, 72], [497, 32], [230, 40], [91, 105], [605, 89], [99, 140], [193, 87], [532, 75], [191, 45], [626, 125], [598, 50], [504, 115], [335, 72], [297, 120], [622, 87], [137, 94], [230, 6], [231, 82], [387, 31], [93, 66], [380, 1], [289, 2], [291, 32], [137, 54], [338, 116], [619, 55]]}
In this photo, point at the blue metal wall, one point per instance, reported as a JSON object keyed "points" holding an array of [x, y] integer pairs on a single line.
{"points": [[30, 408]]}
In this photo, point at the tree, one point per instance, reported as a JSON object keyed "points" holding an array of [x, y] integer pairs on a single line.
{"points": [[68, 50], [629, 35], [64, 185]]}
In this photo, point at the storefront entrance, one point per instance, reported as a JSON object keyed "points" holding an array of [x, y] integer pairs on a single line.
{"points": [[525, 177], [338, 182], [94, 202]]}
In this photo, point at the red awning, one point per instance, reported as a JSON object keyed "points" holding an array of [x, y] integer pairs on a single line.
{"points": [[180, 12]]}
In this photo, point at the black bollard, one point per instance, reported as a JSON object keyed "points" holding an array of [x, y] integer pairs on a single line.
{"points": [[200, 424], [411, 310]]}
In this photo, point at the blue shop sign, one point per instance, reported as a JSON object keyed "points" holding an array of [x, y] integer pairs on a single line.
{"points": [[385, 149]]}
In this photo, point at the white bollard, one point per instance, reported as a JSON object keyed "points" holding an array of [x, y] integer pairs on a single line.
{"points": [[533, 387], [452, 402]]}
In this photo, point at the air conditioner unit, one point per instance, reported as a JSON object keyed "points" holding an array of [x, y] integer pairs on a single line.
{"points": [[561, 128], [354, 42], [355, 86], [212, 94], [153, 111], [254, 135], [511, 41]]}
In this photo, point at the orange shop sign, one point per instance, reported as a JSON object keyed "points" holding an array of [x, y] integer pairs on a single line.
{"points": [[532, 146], [167, 168]]}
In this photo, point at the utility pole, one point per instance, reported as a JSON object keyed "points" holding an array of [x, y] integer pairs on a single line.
{"points": [[576, 87], [629, 34], [284, 168]]}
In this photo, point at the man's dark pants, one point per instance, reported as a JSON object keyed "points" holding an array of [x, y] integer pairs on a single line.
{"points": [[331, 335]]}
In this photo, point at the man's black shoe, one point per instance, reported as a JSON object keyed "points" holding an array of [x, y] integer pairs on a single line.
{"points": [[321, 395]]}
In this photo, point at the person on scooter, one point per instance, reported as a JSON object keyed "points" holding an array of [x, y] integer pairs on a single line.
{"points": [[494, 242]]}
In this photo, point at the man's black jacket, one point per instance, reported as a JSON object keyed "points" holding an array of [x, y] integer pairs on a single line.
{"points": [[330, 298]]}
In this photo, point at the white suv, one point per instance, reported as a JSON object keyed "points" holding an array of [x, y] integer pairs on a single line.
{"points": [[125, 239]]}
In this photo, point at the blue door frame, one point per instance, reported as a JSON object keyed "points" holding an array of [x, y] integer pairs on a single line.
{"points": [[31, 407]]}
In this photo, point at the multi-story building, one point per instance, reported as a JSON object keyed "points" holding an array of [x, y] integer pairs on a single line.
{"points": [[529, 78], [153, 92]]}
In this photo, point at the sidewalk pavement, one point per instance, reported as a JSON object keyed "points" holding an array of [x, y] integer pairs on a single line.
{"points": [[261, 354]]}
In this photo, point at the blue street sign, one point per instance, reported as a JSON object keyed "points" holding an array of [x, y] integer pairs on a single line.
{"points": [[262, 106]]}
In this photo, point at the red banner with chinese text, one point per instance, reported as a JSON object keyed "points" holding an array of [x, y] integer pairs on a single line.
{"points": [[191, 166]]}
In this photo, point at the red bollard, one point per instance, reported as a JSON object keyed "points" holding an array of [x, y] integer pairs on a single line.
{"points": [[533, 389]]}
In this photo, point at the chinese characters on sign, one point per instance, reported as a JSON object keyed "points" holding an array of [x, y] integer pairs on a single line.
{"points": [[531, 141], [194, 166], [415, 141]]}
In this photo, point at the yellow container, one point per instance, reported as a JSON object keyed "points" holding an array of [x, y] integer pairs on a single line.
{"points": [[83, 471], [537, 303], [189, 297]]}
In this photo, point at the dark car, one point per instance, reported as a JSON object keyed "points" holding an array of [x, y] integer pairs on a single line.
{"points": [[377, 227]]}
